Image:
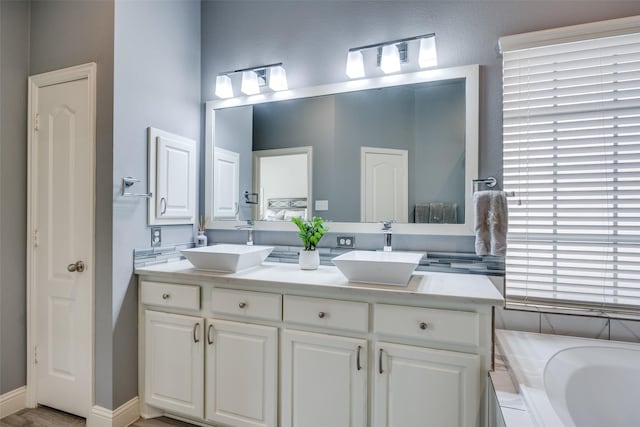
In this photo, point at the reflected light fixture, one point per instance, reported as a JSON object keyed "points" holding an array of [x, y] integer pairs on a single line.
{"points": [[253, 80], [393, 53]]}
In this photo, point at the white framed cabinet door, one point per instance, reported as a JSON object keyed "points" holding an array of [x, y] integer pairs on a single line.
{"points": [[174, 363], [324, 380], [241, 377], [172, 178], [417, 386]]}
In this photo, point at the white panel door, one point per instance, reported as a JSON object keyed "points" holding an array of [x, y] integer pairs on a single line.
{"points": [[176, 178], [174, 363], [384, 186], [61, 208], [324, 380], [226, 183], [417, 386], [241, 381]]}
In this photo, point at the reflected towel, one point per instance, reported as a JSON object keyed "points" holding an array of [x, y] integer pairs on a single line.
{"points": [[490, 222], [421, 213], [435, 212], [450, 213]]}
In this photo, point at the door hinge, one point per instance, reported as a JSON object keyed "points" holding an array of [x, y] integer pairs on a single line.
{"points": [[36, 121], [35, 355], [35, 238]]}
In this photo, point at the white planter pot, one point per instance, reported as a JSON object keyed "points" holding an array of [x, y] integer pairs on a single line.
{"points": [[309, 260]]}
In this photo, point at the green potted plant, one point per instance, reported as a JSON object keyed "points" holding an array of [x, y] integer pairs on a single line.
{"points": [[310, 232]]}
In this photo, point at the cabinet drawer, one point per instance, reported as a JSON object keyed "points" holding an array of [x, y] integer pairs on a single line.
{"points": [[170, 295], [446, 326], [260, 305], [327, 313]]}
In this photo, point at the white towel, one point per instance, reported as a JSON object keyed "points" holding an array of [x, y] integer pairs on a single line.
{"points": [[490, 222]]}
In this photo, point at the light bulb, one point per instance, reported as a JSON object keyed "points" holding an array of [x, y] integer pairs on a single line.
{"points": [[249, 84], [278, 78], [223, 87], [355, 64], [390, 59], [428, 56]]}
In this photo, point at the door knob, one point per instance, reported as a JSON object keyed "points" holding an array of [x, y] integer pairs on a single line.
{"points": [[78, 266]]}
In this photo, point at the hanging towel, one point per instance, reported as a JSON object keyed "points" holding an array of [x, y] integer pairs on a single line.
{"points": [[490, 222]]}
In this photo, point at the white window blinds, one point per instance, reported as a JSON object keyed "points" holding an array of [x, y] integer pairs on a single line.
{"points": [[571, 131]]}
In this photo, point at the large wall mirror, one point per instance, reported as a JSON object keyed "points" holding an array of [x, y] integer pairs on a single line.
{"points": [[402, 148]]}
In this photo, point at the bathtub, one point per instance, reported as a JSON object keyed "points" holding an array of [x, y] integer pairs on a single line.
{"points": [[574, 382]]}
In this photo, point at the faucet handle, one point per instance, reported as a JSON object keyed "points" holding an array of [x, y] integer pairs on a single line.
{"points": [[386, 225]]}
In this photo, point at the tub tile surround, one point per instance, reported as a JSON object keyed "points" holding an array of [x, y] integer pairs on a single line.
{"points": [[518, 378], [625, 330], [578, 326]]}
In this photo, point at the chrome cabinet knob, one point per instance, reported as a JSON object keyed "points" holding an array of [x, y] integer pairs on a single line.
{"points": [[242, 305], [78, 266], [166, 296], [322, 315], [423, 325]]}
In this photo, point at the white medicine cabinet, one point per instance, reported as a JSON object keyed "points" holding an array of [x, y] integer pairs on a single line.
{"points": [[172, 178]]}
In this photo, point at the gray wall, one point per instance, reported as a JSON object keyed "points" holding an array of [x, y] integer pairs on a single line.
{"points": [[63, 34], [312, 37], [156, 83], [14, 66]]}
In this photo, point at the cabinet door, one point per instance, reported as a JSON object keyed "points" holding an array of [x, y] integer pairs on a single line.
{"points": [[226, 183], [417, 386], [174, 363], [241, 382], [324, 380], [176, 178]]}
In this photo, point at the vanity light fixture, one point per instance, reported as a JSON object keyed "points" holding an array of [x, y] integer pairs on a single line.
{"points": [[391, 54], [253, 80]]}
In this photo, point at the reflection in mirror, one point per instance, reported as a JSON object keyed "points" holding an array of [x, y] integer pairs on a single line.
{"points": [[401, 148], [282, 181]]}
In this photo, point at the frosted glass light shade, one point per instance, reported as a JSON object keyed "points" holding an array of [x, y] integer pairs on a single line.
{"points": [[249, 84], [278, 78], [428, 56], [390, 59], [223, 87], [355, 64]]}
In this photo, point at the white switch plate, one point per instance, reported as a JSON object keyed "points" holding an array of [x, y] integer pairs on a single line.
{"points": [[322, 205]]}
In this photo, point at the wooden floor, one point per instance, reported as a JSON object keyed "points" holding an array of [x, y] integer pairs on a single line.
{"points": [[47, 417]]}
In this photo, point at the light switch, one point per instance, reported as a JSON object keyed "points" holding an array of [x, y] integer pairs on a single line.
{"points": [[322, 205]]}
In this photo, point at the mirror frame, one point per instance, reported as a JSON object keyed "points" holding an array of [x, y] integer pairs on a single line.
{"points": [[471, 75]]}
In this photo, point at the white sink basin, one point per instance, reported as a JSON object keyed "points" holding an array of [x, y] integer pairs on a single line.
{"points": [[384, 268], [226, 257]]}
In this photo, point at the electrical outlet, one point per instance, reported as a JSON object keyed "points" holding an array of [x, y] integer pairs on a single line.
{"points": [[346, 241], [156, 236]]}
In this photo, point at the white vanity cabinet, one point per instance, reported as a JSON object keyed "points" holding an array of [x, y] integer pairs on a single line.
{"points": [[272, 353], [241, 374], [174, 363]]}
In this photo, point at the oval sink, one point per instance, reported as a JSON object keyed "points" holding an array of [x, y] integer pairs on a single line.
{"points": [[227, 258], [382, 268]]}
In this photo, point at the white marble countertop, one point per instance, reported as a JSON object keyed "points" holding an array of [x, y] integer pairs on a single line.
{"points": [[477, 289]]}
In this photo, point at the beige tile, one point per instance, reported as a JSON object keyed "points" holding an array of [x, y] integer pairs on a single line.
{"points": [[517, 320]]}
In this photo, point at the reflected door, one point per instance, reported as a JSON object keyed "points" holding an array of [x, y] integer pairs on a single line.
{"points": [[384, 185]]}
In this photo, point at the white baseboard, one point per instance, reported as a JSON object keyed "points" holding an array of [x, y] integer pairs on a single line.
{"points": [[120, 417], [13, 401]]}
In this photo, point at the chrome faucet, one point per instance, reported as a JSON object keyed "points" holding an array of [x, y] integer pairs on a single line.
{"points": [[249, 228], [386, 229]]}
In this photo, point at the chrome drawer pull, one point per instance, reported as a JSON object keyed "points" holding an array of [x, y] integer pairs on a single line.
{"points": [[380, 361], [423, 325], [242, 305], [322, 315], [358, 365], [166, 296]]}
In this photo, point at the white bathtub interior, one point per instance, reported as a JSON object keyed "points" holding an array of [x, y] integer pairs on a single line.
{"points": [[588, 387]]}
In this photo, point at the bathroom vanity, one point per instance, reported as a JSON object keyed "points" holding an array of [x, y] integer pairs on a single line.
{"points": [[278, 346]]}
